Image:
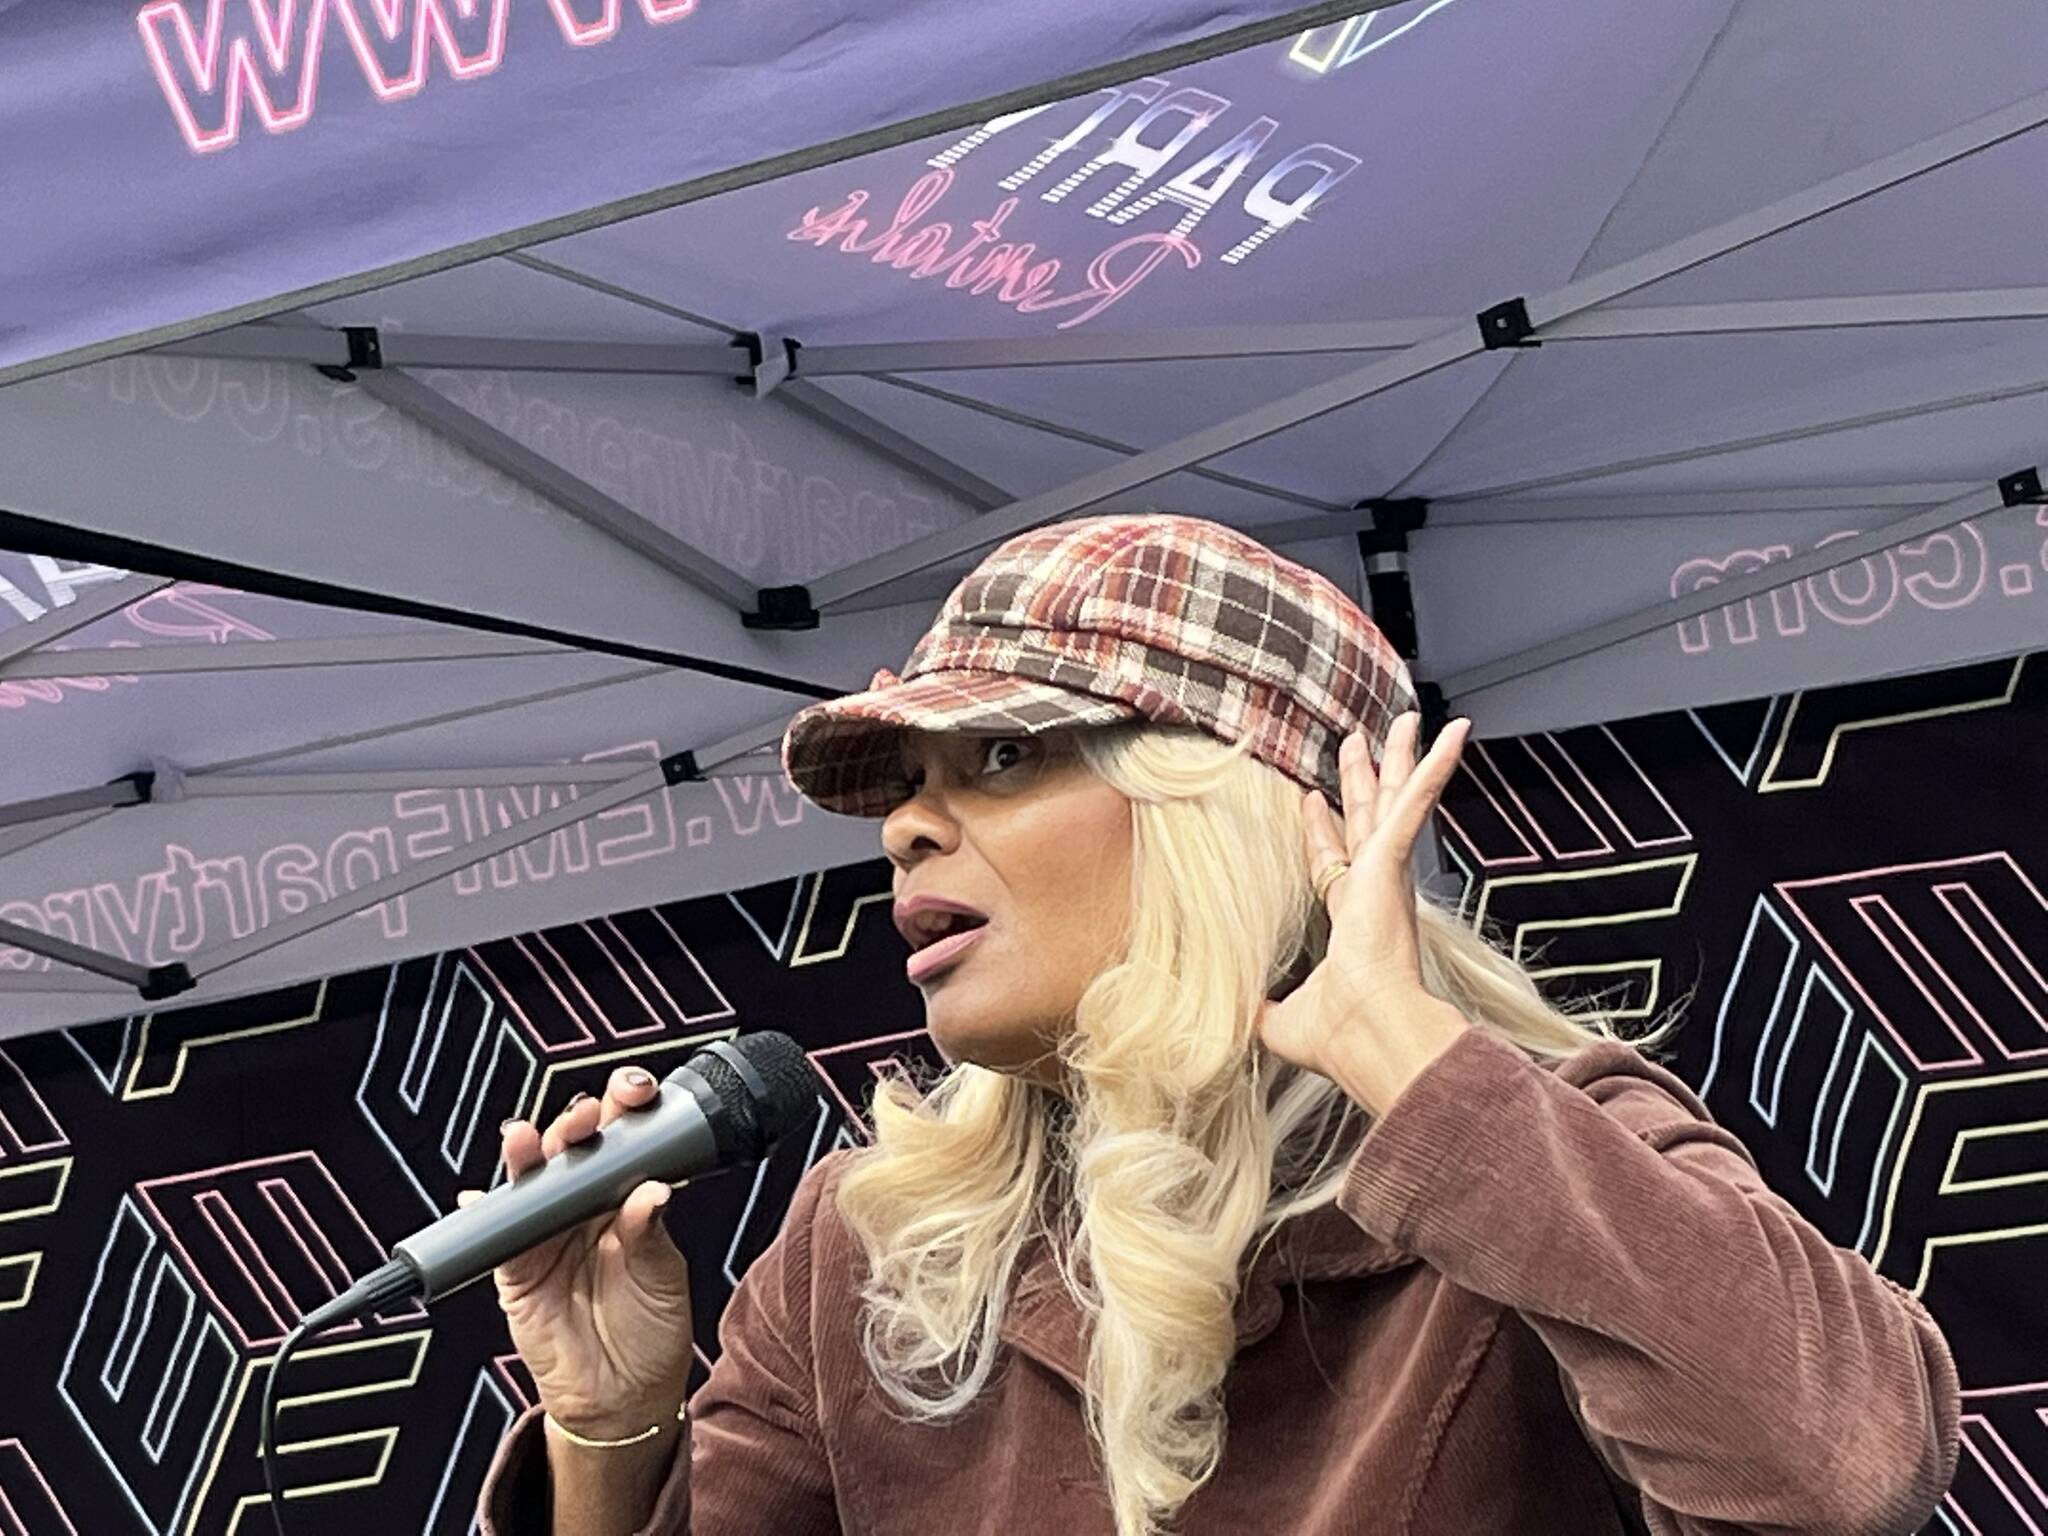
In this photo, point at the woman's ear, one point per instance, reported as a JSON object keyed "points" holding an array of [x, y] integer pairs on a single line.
{"points": [[1297, 973]]}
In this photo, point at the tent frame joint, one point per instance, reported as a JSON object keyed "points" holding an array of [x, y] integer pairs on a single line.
{"points": [[365, 350], [1383, 548], [770, 360], [167, 981], [782, 608], [1393, 519], [682, 768], [2022, 488], [1507, 324]]}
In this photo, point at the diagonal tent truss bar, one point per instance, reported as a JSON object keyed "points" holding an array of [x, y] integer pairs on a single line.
{"points": [[644, 780], [1210, 343], [95, 605], [62, 981], [1782, 573], [68, 953], [422, 723], [1517, 321], [506, 453], [830, 411], [279, 655], [74, 802], [1097, 440]]}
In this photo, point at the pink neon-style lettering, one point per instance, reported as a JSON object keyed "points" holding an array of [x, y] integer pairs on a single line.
{"points": [[923, 194], [266, 54], [979, 266], [1105, 287], [190, 618], [822, 228], [583, 33], [472, 40], [219, 66]]}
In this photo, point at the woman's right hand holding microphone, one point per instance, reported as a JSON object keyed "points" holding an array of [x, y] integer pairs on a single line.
{"points": [[600, 1313]]}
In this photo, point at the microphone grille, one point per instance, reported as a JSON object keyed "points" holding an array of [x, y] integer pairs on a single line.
{"points": [[788, 1088]]}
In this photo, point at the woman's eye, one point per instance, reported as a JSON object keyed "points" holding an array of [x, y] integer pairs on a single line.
{"points": [[1021, 746]]}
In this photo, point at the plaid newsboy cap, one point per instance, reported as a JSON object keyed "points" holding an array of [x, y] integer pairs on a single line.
{"points": [[1168, 618]]}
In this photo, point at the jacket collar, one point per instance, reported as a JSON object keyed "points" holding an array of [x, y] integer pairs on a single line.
{"points": [[1044, 1322]]}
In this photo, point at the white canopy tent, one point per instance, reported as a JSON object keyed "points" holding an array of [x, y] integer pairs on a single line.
{"points": [[427, 499]]}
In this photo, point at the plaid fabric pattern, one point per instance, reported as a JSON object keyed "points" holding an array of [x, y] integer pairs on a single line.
{"points": [[1169, 618]]}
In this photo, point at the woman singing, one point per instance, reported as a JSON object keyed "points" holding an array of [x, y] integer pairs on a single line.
{"points": [[1259, 1195]]}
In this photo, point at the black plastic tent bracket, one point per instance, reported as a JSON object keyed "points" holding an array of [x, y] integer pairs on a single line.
{"points": [[682, 769], [781, 608], [2022, 488], [143, 783], [1507, 324], [167, 981], [365, 350]]}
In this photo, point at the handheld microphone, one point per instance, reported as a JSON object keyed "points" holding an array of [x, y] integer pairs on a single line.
{"points": [[728, 1104]]}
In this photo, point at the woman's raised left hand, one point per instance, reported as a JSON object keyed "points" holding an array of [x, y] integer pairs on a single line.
{"points": [[1362, 1018]]}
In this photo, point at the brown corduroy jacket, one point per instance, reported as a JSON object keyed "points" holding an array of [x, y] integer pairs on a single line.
{"points": [[1552, 1298]]}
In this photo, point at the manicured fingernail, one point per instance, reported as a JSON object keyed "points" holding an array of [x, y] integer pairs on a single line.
{"points": [[578, 1099], [638, 1078], [506, 1125]]}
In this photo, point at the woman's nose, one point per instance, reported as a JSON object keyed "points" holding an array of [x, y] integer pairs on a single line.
{"points": [[921, 822]]}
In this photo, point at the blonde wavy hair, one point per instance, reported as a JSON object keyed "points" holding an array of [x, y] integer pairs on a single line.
{"points": [[1178, 1144]]}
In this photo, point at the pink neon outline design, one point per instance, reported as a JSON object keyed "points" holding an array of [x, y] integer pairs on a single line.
{"points": [[326, 1264], [56, 1504], [853, 1116], [1536, 825], [429, 22], [725, 1009], [639, 962], [1990, 1432], [146, 1192], [1789, 890], [240, 72], [583, 33], [213, 1207], [1530, 856], [1873, 905], [1945, 894], [509, 1001], [1684, 832], [597, 1011], [545, 972]]}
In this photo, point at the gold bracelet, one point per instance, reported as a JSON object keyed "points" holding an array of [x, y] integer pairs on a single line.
{"points": [[605, 1445]]}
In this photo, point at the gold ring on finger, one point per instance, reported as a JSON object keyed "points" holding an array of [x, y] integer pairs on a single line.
{"points": [[1328, 877]]}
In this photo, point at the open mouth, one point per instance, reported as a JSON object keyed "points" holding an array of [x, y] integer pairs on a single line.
{"points": [[962, 935]]}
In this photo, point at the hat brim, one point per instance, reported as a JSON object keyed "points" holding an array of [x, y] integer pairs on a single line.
{"points": [[845, 755]]}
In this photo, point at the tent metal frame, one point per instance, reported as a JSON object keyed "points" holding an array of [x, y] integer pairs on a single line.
{"points": [[1580, 310], [408, 349]]}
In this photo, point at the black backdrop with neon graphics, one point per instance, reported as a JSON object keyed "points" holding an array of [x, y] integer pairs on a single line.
{"points": [[1848, 883]]}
